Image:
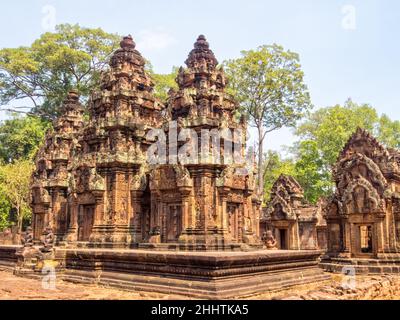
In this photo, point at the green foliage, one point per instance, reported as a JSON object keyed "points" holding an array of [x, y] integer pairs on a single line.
{"points": [[163, 82], [20, 137], [5, 208], [15, 187], [269, 84], [71, 57], [331, 127], [388, 132], [310, 173], [274, 166]]}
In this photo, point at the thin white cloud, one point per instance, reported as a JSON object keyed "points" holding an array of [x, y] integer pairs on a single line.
{"points": [[154, 39]]}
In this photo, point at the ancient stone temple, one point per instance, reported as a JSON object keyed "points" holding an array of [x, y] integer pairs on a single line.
{"points": [[104, 189], [295, 224], [50, 181], [129, 197], [363, 215]]}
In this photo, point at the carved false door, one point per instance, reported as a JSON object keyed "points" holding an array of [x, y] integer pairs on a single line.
{"points": [[173, 223], [85, 222]]}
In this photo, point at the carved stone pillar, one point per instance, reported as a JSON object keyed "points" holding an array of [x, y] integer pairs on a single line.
{"points": [[187, 218], [72, 234], [296, 236], [224, 191], [99, 207], [347, 238], [136, 217], [378, 232]]}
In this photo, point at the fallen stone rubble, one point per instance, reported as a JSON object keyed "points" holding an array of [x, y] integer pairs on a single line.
{"points": [[363, 288]]}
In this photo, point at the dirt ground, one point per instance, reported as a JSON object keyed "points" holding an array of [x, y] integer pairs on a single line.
{"points": [[16, 288]]}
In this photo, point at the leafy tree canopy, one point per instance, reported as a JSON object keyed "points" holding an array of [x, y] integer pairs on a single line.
{"points": [[5, 209], [20, 137], [269, 84], [274, 166], [41, 75], [163, 82], [310, 173], [15, 187]]}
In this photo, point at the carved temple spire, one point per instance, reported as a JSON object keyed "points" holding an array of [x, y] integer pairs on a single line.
{"points": [[127, 58], [71, 119], [125, 88], [202, 87], [202, 57], [202, 72]]}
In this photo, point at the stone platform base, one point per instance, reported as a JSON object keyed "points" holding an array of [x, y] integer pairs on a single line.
{"points": [[384, 264], [8, 258], [199, 275]]}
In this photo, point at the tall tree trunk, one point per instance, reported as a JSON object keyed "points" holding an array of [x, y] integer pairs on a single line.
{"points": [[19, 220], [260, 161]]}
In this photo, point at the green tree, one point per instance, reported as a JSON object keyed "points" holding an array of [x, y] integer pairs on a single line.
{"points": [[41, 75], [311, 173], [274, 166], [163, 83], [269, 84], [15, 186], [331, 127], [5, 208], [388, 132], [20, 137]]}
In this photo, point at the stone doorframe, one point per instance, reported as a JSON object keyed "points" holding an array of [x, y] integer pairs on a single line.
{"points": [[355, 234], [292, 233], [355, 222]]}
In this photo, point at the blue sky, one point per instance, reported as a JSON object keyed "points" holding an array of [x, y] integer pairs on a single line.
{"points": [[348, 48]]}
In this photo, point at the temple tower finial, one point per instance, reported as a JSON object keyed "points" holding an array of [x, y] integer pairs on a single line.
{"points": [[127, 43]]}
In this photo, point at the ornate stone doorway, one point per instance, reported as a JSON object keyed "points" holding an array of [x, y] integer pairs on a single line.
{"points": [[173, 223], [85, 222]]}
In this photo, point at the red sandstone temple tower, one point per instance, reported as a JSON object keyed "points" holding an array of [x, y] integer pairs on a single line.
{"points": [[50, 181], [208, 202], [110, 157]]}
